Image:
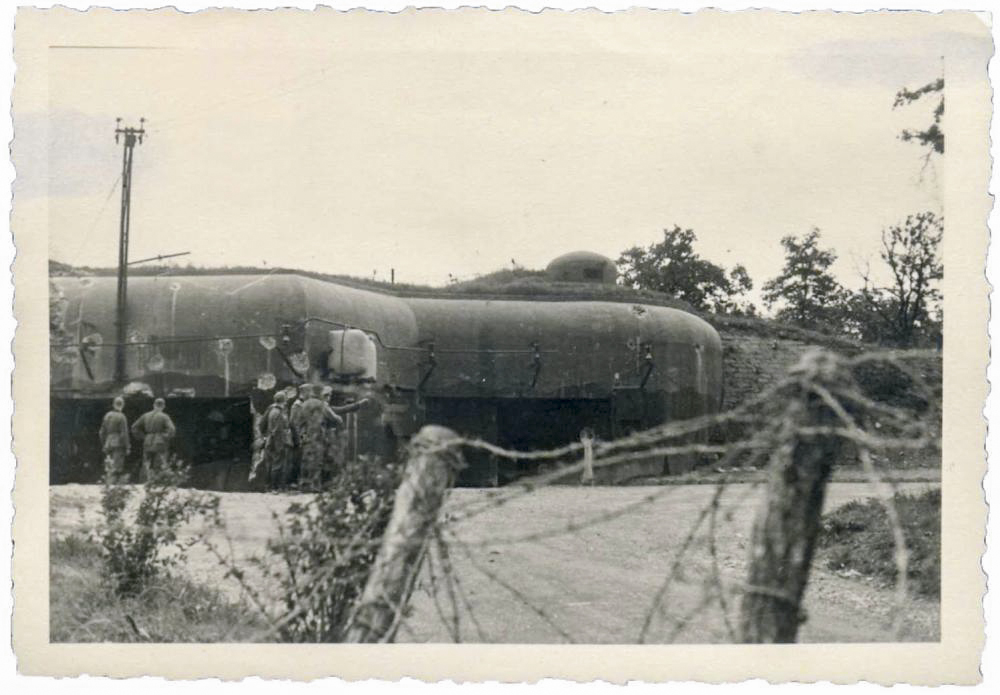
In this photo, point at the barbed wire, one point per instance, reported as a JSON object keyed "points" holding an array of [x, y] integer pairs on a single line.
{"points": [[827, 379], [765, 428]]}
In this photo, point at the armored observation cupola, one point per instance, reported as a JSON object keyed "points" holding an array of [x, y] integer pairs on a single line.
{"points": [[583, 266]]}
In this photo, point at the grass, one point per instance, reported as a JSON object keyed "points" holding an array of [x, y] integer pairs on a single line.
{"points": [[858, 537], [172, 609], [521, 283]]}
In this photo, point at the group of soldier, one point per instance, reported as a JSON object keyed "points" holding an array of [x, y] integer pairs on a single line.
{"points": [[299, 439], [154, 429]]}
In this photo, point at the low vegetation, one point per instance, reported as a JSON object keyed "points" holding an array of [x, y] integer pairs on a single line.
{"points": [[119, 583], [139, 548], [85, 608], [857, 538], [116, 585], [323, 553], [514, 284]]}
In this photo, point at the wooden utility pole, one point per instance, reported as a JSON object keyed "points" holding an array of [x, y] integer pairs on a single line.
{"points": [[129, 137]]}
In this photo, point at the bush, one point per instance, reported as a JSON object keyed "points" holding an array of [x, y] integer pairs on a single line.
{"points": [[170, 609], [857, 536], [137, 549], [326, 548]]}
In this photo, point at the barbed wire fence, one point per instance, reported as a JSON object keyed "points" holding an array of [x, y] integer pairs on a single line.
{"points": [[420, 547]]}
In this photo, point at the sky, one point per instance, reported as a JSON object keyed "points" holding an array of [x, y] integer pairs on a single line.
{"points": [[353, 144]]}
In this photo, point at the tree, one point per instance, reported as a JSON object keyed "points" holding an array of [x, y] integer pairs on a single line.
{"points": [[741, 284], [932, 136], [906, 312], [806, 291], [672, 266]]}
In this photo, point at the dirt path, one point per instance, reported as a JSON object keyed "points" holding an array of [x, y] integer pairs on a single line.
{"points": [[596, 583]]}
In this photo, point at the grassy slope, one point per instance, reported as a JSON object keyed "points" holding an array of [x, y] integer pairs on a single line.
{"points": [[857, 536], [171, 610]]}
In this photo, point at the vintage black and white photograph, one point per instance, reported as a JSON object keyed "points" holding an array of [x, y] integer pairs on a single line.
{"points": [[502, 328]]}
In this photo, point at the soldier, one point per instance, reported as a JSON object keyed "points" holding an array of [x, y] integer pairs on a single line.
{"points": [[155, 429], [295, 412], [291, 397], [295, 397], [277, 441], [314, 418], [337, 441], [115, 440]]}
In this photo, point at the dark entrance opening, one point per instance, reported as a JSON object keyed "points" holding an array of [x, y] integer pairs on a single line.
{"points": [[543, 424], [520, 424], [531, 425], [212, 434]]}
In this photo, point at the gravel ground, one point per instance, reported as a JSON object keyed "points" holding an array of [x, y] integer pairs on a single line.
{"points": [[595, 583]]}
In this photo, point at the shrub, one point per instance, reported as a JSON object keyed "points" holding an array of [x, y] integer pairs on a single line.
{"points": [[137, 549], [326, 548], [857, 536], [170, 609]]}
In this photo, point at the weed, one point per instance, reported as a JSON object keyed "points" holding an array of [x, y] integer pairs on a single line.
{"points": [[858, 537], [170, 609], [326, 548], [137, 549]]}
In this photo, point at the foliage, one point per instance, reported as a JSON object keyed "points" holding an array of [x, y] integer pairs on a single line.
{"points": [[138, 549], [932, 136], [326, 548], [858, 536], [519, 282], [907, 312], [672, 266], [498, 278], [886, 383], [806, 291], [169, 609]]}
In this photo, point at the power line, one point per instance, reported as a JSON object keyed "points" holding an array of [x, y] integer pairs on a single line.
{"points": [[159, 257], [85, 239]]}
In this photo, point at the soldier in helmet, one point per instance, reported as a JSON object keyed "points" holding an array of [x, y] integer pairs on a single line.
{"points": [[315, 418], [277, 437], [115, 441], [291, 395], [294, 398], [295, 411], [156, 430]]}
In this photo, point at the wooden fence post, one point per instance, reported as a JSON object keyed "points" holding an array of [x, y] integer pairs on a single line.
{"points": [[587, 437], [786, 526], [430, 472]]}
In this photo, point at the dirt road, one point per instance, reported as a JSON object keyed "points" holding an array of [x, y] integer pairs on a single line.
{"points": [[595, 583]]}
